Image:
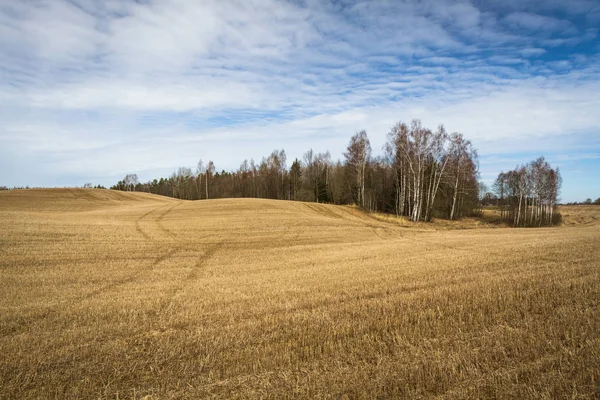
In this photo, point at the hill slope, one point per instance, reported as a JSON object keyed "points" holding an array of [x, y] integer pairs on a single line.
{"points": [[580, 215], [71, 199], [109, 293]]}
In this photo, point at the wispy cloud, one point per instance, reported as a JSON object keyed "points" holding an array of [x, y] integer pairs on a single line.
{"points": [[100, 88], [540, 23]]}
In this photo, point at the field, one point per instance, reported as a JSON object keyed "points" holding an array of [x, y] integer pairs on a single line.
{"points": [[127, 295]]}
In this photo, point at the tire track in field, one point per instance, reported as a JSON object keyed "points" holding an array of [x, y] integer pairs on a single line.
{"points": [[203, 260], [138, 226], [161, 217], [323, 210], [376, 232], [454, 246], [169, 253], [52, 311], [200, 264], [131, 277], [182, 245], [297, 227], [367, 220]]}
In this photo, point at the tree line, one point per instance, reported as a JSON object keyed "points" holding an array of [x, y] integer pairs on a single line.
{"points": [[421, 174], [586, 202]]}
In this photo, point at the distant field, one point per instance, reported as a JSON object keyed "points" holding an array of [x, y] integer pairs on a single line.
{"points": [[127, 295], [581, 215]]}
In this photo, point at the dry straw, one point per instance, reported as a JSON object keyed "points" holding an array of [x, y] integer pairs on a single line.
{"points": [[125, 295]]}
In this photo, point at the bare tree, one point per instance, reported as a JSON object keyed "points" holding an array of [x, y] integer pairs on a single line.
{"points": [[130, 181], [311, 175], [210, 170], [200, 169], [529, 194], [462, 156], [295, 176], [316, 175], [244, 173], [274, 173], [422, 162], [437, 161], [357, 156]]}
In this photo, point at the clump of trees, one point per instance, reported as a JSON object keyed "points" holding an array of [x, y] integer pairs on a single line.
{"points": [[528, 195], [435, 174], [89, 185], [422, 174], [129, 184]]}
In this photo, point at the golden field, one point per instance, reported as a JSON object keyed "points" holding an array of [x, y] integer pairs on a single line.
{"points": [[128, 295]]}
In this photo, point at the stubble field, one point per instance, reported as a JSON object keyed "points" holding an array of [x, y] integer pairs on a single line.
{"points": [[126, 295]]}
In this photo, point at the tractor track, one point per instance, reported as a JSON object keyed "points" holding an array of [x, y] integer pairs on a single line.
{"points": [[191, 276], [51, 312], [138, 226], [161, 217]]}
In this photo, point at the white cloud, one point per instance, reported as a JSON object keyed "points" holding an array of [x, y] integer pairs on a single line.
{"points": [[532, 52], [118, 86], [536, 22]]}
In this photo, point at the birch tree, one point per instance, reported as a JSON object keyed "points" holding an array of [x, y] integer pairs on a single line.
{"points": [[130, 181], [199, 172], [295, 178], [529, 194], [357, 156], [462, 160], [210, 170]]}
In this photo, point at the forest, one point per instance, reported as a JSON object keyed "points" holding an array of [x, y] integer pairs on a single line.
{"points": [[421, 174]]}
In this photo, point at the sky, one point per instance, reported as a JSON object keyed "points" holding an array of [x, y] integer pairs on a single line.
{"points": [[91, 90]]}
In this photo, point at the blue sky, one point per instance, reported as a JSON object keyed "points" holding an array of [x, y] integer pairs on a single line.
{"points": [[92, 90]]}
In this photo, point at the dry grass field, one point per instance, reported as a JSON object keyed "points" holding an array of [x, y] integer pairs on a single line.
{"points": [[125, 295]]}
